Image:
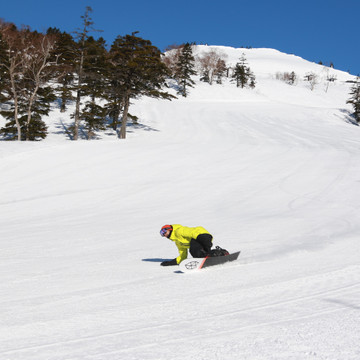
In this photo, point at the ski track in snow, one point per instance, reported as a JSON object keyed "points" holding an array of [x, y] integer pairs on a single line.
{"points": [[276, 306], [273, 172]]}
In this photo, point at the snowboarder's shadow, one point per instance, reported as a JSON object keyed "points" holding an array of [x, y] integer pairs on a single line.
{"points": [[156, 260]]}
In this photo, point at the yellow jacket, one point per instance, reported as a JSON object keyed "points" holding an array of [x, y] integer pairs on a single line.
{"points": [[182, 236]]}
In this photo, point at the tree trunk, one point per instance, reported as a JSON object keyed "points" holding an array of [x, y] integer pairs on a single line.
{"points": [[115, 120], [77, 116], [122, 134], [78, 99], [16, 118], [63, 104], [37, 78], [30, 105], [16, 107]]}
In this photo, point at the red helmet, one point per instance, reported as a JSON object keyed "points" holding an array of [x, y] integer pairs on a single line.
{"points": [[164, 229]]}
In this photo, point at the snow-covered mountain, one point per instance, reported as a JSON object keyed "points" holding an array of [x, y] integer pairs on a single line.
{"points": [[272, 171]]}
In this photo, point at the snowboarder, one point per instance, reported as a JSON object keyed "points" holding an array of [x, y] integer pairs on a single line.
{"points": [[197, 239]]}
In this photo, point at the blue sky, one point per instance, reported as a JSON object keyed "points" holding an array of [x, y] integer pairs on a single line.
{"points": [[317, 30]]}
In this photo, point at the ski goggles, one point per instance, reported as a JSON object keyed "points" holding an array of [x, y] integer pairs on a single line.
{"points": [[164, 229]]}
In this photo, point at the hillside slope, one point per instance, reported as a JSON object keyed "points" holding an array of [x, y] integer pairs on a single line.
{"points": [[272, 171]]}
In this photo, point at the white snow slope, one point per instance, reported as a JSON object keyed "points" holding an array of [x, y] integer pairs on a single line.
{"points": [[273, 172]]}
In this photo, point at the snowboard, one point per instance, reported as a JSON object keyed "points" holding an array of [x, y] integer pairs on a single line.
{"points": [[193, 264]]}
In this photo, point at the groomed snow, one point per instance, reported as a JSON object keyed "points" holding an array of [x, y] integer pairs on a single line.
{"points": [[273, 172]]}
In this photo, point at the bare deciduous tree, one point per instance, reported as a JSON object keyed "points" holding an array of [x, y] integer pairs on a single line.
{"points": [[27, 63], [313, 80], [16, 49], [210, 64], [37, 69], [330, 78], [82, 36], [288, 78], [171, 58]]}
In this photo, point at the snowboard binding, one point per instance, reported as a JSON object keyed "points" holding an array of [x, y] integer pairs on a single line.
{"points": [[218, 251]]}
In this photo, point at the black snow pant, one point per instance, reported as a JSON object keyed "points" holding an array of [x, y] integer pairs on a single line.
{"points": [[201, 246]]}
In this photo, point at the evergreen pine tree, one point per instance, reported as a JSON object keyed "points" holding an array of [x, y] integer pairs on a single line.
{"points": [[137, 70], [3, 65], [11, 61], [243, 75], [355, 99], [95, 84], [205, 77], [185, 68], [65, 57]]}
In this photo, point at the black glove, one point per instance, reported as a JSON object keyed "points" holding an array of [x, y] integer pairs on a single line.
{"points": [[169, 263]]}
